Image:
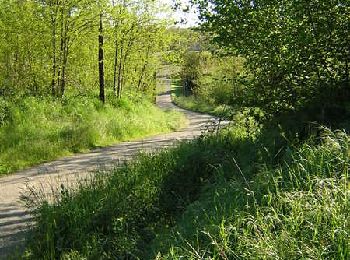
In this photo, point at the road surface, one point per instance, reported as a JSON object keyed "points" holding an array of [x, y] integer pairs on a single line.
{"points": [[14, 219]]}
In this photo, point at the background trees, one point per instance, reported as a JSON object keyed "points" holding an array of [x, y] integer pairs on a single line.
{"points": [[59, 59], [49, 46], [298, 51]]}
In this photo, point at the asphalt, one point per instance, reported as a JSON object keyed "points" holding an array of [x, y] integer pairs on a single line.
{"points": [[47, 178]]}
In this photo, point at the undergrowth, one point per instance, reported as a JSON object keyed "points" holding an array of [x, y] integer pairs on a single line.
{"points": [[240, 194], [197, 104], [34, 130]]}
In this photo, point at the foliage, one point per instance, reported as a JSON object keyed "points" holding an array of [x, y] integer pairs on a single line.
{"points": [[212, 82], [215, 77], [34, 131], [244, 193], [181, 40], [199, 104], [297, 51], [50, 47]]}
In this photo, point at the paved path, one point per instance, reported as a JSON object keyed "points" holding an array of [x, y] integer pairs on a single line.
{"points": [[13, 217]]}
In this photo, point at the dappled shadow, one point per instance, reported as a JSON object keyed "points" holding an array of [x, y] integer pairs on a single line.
{"points": [[14, 221], [48, 177]]}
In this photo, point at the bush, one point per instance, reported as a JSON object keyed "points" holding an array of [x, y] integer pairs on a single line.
{"points": [[214, 78]]}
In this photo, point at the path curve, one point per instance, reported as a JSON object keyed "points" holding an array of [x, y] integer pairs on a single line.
{"points": [[14, 219]]}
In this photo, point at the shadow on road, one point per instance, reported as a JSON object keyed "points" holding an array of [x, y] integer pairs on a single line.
{"points": [[14, 219]]}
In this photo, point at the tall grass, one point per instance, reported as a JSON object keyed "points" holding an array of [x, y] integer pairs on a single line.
{"points": [[234, 195], [298, 210], [35, 130], [197, 104]]}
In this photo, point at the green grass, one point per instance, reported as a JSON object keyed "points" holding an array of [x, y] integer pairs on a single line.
{"points": [[241, 194], [34, 130], [298, 210], [199, 105]]}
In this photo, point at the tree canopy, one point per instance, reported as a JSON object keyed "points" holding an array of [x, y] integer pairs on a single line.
{"points": [[48, 46], [298, 51]]}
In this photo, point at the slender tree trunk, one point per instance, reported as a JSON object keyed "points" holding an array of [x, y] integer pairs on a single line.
{"points": [[122, 83], [54, 65], [143, 70], [122, 60], [59, 73], [155, 87], [347, 73], [120, 67], [100, 61], [141, 75], [64, 66], [122, 63], [116, 90], [115, 68], [65, 52]]}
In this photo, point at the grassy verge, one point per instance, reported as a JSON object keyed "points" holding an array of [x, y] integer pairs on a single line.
{"points": [[198, 105], [241, 194], [33, 131]]}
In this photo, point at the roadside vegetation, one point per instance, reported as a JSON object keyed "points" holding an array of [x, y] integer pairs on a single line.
{"points": [[34, 131], [210, 82], [76, 75], [242, 193], [199, 105], [272, 185]]}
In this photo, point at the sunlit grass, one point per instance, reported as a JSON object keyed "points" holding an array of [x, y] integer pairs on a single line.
{"points": [[298, 210], [235, 195], [196, 104], [34, 131]]}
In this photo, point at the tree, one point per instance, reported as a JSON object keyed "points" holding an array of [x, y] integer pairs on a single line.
{"points": [[296, 50], [100, 60], [47, 46], [66, 19], [22, 62], [137, 38]]}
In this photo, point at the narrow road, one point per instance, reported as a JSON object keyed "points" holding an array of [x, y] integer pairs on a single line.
{"points": [[14, 219]]}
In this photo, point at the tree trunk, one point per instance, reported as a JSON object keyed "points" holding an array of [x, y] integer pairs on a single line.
{"points": [[122, 63], [100, 61], [115, 68], [155, 87], [143, 70], [54, 65], [64, 65], [122, 60], [65, 49], [59, 73], [119, 90]]}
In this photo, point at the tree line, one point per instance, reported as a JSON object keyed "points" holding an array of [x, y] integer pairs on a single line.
{"points": [[297, 51], [47, 46]]}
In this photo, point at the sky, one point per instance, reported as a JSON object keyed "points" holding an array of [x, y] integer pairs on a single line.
{"points": [[189, 18]]}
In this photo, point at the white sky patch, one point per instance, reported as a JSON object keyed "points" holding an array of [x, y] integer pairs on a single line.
{"points": [[184, 15]]}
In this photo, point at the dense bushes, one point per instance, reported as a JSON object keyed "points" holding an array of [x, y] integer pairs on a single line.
{"points": [[297, 51], [213, 78], [34, 130]]}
